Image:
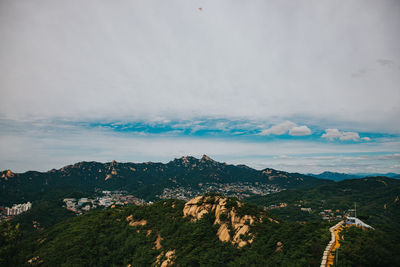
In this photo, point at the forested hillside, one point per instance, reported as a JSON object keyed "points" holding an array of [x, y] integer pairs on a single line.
{"points": [[150, 235], [377, 202]]}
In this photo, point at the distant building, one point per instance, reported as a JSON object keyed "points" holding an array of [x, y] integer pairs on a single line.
{"points": [[18, 209], [306, 209], [86, 208], [357, 222], [83, 201]]}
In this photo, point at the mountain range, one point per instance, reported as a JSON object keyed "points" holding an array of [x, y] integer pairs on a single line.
{"points": [[282, 228], [337, 176], [146, 180]]}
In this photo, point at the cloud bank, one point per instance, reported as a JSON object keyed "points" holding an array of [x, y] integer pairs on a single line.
{"points": [[332, 134], [287, 126], [148, 80], [46, 145], [299, 131], [263, 60]]}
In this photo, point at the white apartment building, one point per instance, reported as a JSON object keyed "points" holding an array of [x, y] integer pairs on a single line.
{"points": [[18, 208]]}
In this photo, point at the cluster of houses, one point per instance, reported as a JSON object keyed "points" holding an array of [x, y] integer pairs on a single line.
{"points": [[239, 190], [330, 215], [15, 210], [108, 198], [327, 214]]}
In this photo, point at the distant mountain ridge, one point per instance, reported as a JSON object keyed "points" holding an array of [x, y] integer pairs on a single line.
{"points": [[388, 174], [336, 176], [146, 179]]}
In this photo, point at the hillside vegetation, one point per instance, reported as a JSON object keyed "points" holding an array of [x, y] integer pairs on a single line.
{"points": [[168, 232], [378, 205], [209, 230]]}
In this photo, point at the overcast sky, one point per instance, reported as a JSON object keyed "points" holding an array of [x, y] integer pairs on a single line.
{"points": [[300, 86]]}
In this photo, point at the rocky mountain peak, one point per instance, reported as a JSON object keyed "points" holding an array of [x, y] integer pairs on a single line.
{"points": [[185, 161], [206, 158], [7, 174], [226, 215]]}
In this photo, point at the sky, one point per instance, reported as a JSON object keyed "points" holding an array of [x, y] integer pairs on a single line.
{"points": [[301, 86]]}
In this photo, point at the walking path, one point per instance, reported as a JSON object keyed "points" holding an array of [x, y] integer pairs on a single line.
{"points": [[328, 257]]}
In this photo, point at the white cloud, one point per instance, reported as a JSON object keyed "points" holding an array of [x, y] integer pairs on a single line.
{"points": [[332, 134], [262, 60], [395, 156], [242, 61], [284, 127], [279, 129], [346, 136], [42, 146], [300, 131]]}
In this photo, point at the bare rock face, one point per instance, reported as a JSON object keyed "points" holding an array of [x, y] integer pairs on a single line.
{"points": [[240, 225], [206, 158], [7, 174], [35, 261], [185, 161], [223, 233], [111, 171], [157, 243], [168, 258], [279, 246], [169, 261], [134, 223]]}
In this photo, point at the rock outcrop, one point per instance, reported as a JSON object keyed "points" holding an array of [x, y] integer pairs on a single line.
{"points": [[233, 227], [279, 246], [157, 243], [35, 261], [165, 260], [134, 223], [7, 174]]}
